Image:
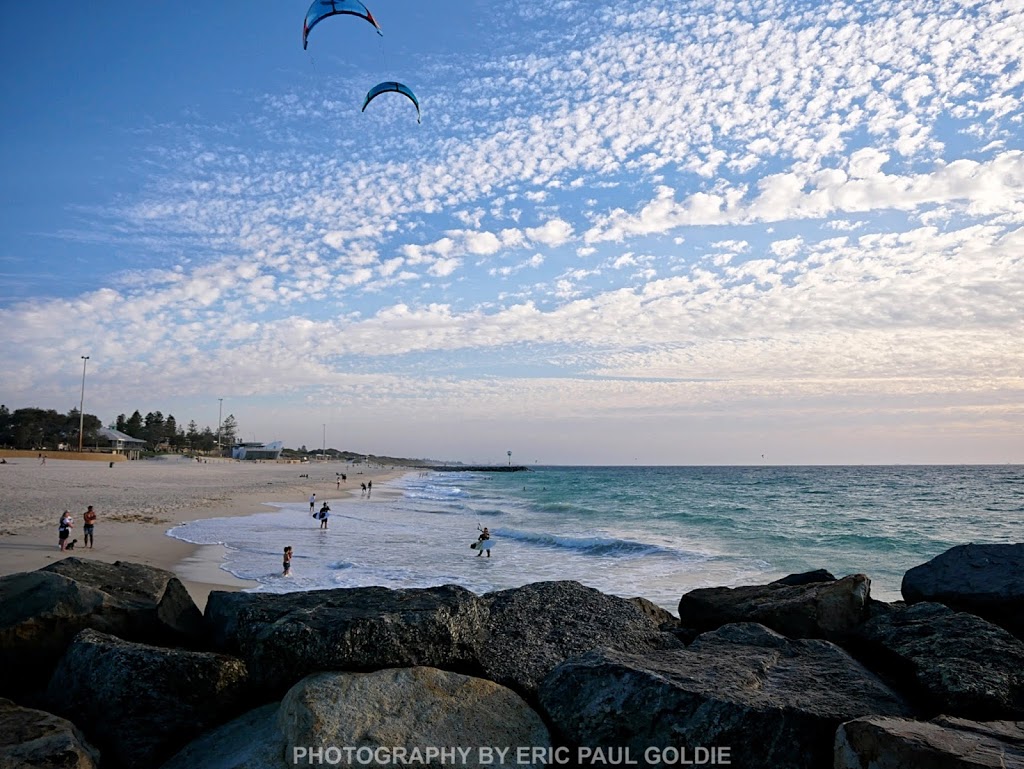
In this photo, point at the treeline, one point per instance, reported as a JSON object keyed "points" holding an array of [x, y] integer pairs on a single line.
{"points": [[38, 429], [160, 431]]}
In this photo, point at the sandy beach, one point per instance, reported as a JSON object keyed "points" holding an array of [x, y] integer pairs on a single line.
{"points": [[137, 502]]}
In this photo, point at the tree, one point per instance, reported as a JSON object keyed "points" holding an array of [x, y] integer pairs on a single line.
{"points": [[228, 430], [171, 431], [133, 426]]}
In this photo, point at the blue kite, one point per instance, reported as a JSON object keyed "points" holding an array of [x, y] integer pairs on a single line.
{"points": [[391, 85], [321, 9]]}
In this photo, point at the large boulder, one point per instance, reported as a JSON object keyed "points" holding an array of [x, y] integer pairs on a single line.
{"points": [[830, 609], [410, 709], [768, 700], [251, 741], [285, 637], [945, 743], [534, 628], [396, 708], [32, 739], [987, 580], [141, 703], [41, 611], [955, 663]]}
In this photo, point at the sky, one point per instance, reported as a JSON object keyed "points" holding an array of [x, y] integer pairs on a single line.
{"points": [[663, 232]]}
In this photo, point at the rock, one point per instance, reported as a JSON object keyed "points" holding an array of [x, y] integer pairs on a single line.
{"points": [[32, 739], [251, 741], [141, 703], [806, 578], [953, 662], [41, 611], [830, 610], [161, 608], [945, 743], [769, 700], [406, 708], [285, 637], [663, 618], [534, 628], [987, 580]]}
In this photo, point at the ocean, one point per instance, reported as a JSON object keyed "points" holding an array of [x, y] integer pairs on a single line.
{"points": [[655, 532]]}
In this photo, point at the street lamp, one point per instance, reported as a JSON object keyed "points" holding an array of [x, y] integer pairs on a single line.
{"points": [[323, 451], [509, 458], [220, 410], [81, 405]]}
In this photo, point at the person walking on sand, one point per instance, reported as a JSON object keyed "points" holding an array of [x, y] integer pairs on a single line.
{"points": [[88, 525], [312, 501], [287, 561], [325, 513], [64, 529]]}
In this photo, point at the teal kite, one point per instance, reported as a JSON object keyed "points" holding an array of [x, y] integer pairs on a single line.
{"points": [[391, 85], [321, 9]]}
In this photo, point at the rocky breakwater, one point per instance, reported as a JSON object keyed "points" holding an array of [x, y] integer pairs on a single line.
{"points": [[805, 672]]}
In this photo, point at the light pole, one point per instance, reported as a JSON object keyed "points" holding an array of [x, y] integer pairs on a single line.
{"points": [[323, 451], [509, 458], [81, 405], [220, 411]]}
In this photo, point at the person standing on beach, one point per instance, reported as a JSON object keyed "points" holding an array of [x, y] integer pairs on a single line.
{"points": [[325, 513], [312, 501], [88, 524], [287, 561], [369, 488], [64, 529]]}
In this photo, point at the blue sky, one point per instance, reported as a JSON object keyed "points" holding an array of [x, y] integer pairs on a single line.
{"points": [[660, 232]]}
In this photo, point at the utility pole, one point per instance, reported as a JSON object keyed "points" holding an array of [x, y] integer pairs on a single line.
{"points": [[81, 405], [220, 411], [323, 451]]}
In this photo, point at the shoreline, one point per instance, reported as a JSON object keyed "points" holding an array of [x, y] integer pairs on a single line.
{"points": [[139, 502]]}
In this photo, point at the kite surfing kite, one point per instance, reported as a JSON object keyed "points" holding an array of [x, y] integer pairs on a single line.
{"points": [[321, 9], [391, 85]]}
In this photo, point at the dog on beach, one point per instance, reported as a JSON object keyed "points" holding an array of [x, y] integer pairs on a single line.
{"points": [[70, 545]]}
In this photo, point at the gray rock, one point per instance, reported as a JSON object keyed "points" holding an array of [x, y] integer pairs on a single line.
{"points": [[663, 618], [161, 608], [41, 611], [955, 663], [251, 741], [806, 578], [141, 703], [945, 743], [33, 739], [284, 638], [769, 700], [987, 580], [534, 628], [830, 610], [407, 708]]}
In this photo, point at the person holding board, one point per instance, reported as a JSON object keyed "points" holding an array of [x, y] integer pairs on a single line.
{"points": [[483, 542]]}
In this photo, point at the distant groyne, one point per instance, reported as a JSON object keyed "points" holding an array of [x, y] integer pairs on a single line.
{"points": [[481, 468]]}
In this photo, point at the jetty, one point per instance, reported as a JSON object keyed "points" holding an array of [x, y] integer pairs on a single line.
{"points": [[480, 468]]}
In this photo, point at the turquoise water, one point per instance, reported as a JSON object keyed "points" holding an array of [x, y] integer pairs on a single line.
{"points": [[650, 531]]}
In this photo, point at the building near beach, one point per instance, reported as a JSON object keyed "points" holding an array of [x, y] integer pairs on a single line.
{"points": [[119, 443], [255, 450]]}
